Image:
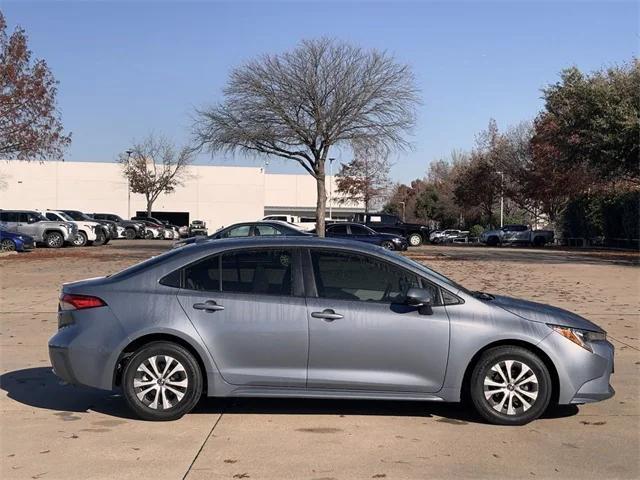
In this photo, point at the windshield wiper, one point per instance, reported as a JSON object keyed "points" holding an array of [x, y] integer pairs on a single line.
{"points": [[483, 295]]}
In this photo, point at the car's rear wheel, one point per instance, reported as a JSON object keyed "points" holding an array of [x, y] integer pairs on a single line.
{"points": [[7, 245], [130, 234], [162, 381], [388, 245], [80, 240], [510, 385], [54, 240], [415, 239], [492, 241], [539, 241], [148, 235]]}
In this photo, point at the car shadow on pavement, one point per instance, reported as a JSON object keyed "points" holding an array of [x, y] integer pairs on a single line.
{"points": [[40, 388]]}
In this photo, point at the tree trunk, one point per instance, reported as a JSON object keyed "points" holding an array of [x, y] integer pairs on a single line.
{"points": [[149, 207], [321, 203]]}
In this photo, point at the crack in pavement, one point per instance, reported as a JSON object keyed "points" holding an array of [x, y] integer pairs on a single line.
{"points": [[202, 446]]}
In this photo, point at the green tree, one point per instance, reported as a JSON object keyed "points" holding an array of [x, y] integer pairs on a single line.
{"points": [[594, 120]]}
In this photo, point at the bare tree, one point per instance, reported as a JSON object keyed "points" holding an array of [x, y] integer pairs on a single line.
{"points": [[155, 166], [299, 104], [365, 178], [30, 127]]}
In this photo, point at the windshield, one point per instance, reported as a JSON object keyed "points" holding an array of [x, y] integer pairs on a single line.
{"points": [[65, 216], [432, 273]]}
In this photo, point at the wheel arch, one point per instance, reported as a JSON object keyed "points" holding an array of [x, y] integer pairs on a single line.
{"points": [[553, 372], [143, 340]]}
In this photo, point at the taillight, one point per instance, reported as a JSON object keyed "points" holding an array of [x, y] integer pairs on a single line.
{"points": [[69, 301]]}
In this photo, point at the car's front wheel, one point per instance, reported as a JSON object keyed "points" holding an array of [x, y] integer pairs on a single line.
{"points": [[130, 234], [162, 381], [388, 245], [54, 240], [80, 240], [510, 385]]}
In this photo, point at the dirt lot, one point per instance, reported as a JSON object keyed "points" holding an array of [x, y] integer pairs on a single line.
{"points": [[51, 431]]}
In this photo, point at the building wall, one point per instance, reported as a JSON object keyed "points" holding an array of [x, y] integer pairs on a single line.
{"points": [[219, 195]]}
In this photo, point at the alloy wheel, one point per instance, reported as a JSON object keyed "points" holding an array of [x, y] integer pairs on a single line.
{"points": [[55, 240], [160, 382], [7, 245], [511, 387], [415, 240]]}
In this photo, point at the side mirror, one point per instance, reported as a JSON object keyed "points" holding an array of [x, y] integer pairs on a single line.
{"points": [[421, 299]]}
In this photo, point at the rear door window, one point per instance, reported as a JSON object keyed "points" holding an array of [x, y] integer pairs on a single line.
{"points": [[265, 272], [265, 231]]}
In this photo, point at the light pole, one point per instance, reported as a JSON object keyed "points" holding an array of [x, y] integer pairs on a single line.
{"points": [[331, 188], [501, 199], [128, 152], [403, 216]]}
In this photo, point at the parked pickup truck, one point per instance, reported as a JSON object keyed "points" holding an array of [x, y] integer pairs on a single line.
{"points": [[415, 233], [34, 224], [516, 234]]}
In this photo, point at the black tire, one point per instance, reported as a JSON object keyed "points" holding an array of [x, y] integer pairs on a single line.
{"points": [[539, 241], [534, 386], [7, 245], [101, 239], [388, 245], [80, 240], [414, 239], [148, 235], [191, 373], [493, 241], [54, 240], [130, 234]]}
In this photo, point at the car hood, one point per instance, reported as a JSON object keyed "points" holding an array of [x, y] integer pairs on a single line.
{"points": [[543, 313]]}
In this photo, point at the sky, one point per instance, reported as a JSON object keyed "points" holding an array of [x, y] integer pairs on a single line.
{"points": [[126, 69]]}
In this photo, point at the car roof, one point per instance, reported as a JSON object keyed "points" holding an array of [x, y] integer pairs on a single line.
{"points": [[282, 241]]}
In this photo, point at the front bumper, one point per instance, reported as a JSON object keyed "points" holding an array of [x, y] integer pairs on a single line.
{"points": [[583, 376]]}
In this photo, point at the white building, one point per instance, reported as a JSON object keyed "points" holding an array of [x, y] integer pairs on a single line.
{"points": [[219, 195]]}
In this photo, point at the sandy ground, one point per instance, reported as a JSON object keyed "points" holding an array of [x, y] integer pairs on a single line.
{"points": [[52, 431]]}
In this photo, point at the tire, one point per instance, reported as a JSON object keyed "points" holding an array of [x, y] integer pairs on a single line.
{"points": [[539, 241], [130, 234], [101, 239], [492, 241], [187, 381], [80, 240], [415, 240], [54, 240], [388, 245], [7, 245], [534, 387], [148, 235]]}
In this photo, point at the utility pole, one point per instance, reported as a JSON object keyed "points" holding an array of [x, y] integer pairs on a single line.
{"points": [[128, 152], [403, 216], [501, 199]]}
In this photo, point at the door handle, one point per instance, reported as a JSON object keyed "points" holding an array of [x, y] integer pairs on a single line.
{"points": [[327, 314], [208, 306]]}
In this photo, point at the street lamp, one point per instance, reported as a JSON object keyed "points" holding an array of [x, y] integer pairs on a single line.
{"points": [[331, 188], [501, 198], [128, 152]]}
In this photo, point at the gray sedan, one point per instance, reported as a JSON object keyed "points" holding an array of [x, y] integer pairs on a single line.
{"points": [[318, 318]]}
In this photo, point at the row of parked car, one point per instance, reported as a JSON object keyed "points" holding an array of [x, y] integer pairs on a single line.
{"points": [[22, 229]]}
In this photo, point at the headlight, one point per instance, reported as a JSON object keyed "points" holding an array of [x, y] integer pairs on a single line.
{"points": [[582, 338]]}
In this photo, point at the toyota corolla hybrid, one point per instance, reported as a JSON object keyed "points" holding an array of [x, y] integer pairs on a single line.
{"points": [[309, 317]]}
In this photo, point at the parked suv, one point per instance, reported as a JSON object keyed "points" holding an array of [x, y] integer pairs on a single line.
{"points": [[89, 233], [415, 233], [110, 227], [29, 222], [132, 229]]}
